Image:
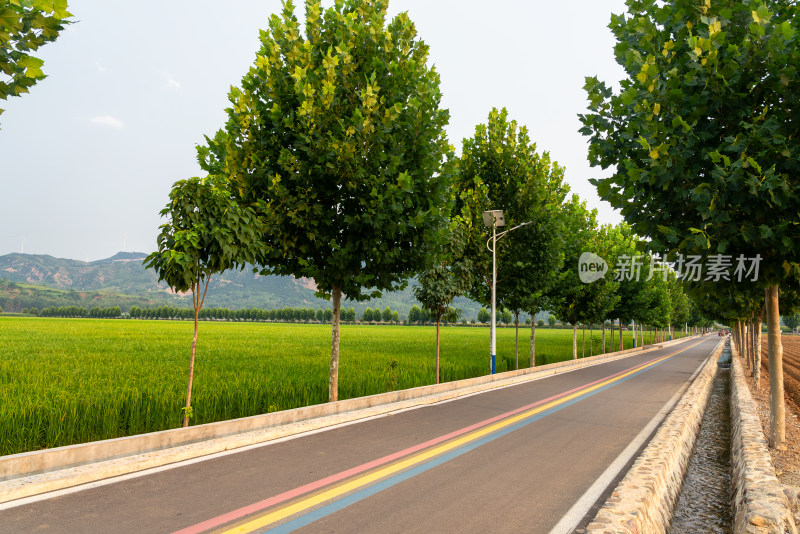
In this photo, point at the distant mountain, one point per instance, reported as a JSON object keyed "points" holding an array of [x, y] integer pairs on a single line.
{"points": [[122, 279], [15, 297], [122, 256]]}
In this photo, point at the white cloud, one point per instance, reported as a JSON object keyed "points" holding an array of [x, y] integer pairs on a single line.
{"points": [[108, 120], [99, 67], [171, 83]]}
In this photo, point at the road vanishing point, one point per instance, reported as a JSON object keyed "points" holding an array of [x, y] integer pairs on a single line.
{"points": [[539, 457]]}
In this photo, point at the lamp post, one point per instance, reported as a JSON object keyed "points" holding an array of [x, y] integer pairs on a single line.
{"points": [[495, 218]]}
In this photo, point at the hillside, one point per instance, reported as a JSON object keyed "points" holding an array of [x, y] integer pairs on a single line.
{"points": [[122, 280], [15, 297]]}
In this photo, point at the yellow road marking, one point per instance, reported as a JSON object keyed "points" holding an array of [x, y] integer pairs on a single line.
{"points": [[330, 494]]}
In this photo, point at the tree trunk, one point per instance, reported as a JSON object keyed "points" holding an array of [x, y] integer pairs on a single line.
{"points": [[621, 336], [751, 343], [777, 415], [533, 343], [187, 411], [574, 341], [516, 337], [438, 320], [742, 344], [198, 301], [604, 337], [612, 336], [583, 340], [743, 341], [757, 364], [333, 380], [753, 340], [591, 339]]}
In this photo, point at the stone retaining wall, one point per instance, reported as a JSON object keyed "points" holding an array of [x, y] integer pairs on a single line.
{"points": [[761, 504], [644, 500]]}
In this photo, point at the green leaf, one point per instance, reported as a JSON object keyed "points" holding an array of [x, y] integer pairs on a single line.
{"points": [[627, 97], [30, 61], [34, 72], [762, 15]]}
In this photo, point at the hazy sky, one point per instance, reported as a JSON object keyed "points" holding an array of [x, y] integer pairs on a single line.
{"points": [[88, 157]]}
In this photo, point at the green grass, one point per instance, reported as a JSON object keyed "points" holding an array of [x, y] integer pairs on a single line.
{"points": [[65, 381]]}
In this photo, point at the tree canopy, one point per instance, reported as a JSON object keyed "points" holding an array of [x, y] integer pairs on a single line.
{"points": [[207, 233], [25, 26], [702, 138], [339, 134]]}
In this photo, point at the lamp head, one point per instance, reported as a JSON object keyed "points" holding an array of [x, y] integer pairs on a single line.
{"points": [[494, 218]]}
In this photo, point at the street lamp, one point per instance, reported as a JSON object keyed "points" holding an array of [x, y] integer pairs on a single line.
{"points": [[495, 218]]}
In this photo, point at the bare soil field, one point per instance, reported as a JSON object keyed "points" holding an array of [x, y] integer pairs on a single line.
{"points": [[791, 366], [787, 463]]}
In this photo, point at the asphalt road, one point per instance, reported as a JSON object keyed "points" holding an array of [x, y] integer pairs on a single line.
{"points": [[510, 460]]}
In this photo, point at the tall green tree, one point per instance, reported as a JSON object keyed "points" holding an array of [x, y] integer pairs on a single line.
{"points": [[633, 274], [500, 168], [337, 129], [450, 277], [25, 26], [570, 297], [207, 232], [602, 295], [414, 314], [703, 137], [679, 303]]}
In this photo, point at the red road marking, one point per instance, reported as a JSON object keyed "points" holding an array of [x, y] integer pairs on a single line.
{"points": [[285, 496]]}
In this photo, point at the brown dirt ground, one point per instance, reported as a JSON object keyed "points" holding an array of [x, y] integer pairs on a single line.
{"points": [[787, 463]]}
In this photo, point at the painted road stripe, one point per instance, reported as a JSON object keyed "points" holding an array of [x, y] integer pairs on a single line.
{"points": [[346, 501], [574, 515], [475, 436], [307, 488]]}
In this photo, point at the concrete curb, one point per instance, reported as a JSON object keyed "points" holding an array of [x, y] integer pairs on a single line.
{"points": [[27, 474], [643, 502], [760, 502]]}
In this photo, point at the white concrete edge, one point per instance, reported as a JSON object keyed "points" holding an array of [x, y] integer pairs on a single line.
{"points": [[26, 474]]}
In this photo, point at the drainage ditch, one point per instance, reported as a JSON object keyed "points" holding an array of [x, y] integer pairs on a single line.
{"points": [[704, 504]]}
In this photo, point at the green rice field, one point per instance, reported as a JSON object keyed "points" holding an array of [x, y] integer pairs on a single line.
{"points": [[65, 381]]}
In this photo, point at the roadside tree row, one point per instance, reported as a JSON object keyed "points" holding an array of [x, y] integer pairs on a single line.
{"points": [[700, 141], [334, 165]]}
